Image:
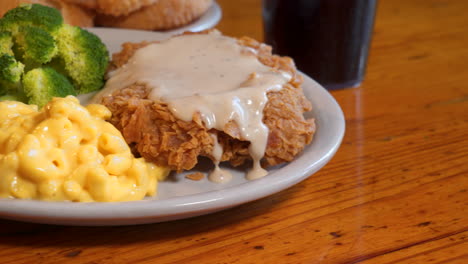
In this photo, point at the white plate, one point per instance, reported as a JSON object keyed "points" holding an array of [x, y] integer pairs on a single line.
{"points": [[181, 198], [208, 20]]}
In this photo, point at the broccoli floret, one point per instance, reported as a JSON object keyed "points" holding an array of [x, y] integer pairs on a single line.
{"points": [[41, 84], [10, 69], [37, 45], [6, 43], [34, 39], [85, 57], [37, 15], [32, 27]]}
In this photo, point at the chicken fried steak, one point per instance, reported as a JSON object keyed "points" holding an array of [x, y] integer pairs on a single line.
{"points": [[153, 130]]}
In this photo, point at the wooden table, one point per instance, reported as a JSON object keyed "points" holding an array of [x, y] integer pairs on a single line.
{"points": [[396, 191]]}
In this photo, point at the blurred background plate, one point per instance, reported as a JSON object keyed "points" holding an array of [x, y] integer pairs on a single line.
{"points": [[210, 19], [108, 35]]}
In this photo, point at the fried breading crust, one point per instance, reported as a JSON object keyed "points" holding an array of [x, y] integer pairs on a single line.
{"points": [[160, 15], [157, 135]]}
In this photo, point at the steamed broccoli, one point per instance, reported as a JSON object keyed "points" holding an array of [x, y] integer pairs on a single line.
{"points": [[41, 16], [41, 84], [36, 45], [10, 69], [10, 74], [84, 56], [34, 39], [6, 43]]}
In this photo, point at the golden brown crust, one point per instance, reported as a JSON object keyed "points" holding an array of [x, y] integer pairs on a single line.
{"points": [[161, 15], [122, 7], [76, 15], [197, 176], [156, 134], [128, 49], [90, 4]]}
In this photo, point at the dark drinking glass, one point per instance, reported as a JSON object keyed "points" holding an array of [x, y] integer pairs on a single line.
{"points": [[328, 39]]}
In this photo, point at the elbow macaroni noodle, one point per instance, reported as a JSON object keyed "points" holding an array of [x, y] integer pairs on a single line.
{"points": [[69, 152]]}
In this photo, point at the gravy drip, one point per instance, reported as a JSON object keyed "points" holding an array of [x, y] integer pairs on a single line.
{"points": [[218, 175], [209, 74]]}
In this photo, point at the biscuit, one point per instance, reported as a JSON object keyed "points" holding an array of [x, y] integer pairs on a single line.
{"points": [[113, 7], [122, 7], [76, 15], [91, 4], [162, 15]]}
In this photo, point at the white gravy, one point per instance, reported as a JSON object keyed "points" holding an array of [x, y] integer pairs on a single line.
{"points": [[209, 74]]}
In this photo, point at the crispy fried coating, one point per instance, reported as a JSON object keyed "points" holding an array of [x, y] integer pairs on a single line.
{"points": [[157, 135], [160, 15]]}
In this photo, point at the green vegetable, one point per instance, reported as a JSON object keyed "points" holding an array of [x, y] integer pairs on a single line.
{"points": [[13, 97], [42, 84], [36, 45], [10, 74], [41, 16], [6, 43], [10, 69], [84, 56], [34, 39]]}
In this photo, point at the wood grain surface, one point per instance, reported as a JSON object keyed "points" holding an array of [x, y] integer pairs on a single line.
{"points": [[396, 191]]}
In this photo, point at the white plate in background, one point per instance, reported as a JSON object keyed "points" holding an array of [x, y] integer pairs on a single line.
{"points": [[179, 197], [210, 19]]}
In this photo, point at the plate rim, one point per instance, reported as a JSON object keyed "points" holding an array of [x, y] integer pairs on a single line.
{"points": [[209, 19]]}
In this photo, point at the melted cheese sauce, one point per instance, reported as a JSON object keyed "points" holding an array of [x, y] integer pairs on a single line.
{"points": [[66, 152], [212, 75]]}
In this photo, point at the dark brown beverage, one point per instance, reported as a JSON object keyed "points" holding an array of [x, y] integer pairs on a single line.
{"points": [[328, 39]]}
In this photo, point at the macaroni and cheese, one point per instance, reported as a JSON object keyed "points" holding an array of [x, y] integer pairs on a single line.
{"points": [[69, 152]]}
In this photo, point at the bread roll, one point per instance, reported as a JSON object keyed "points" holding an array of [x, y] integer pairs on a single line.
{"points": [[91, 4], [113, 7], [162, 15]]}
